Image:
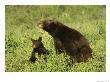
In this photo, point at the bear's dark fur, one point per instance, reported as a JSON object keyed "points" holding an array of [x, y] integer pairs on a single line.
{"points": [[67, 40], [39, 48]]}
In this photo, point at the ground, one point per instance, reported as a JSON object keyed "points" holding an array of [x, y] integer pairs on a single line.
{"points": [[21, 26]]}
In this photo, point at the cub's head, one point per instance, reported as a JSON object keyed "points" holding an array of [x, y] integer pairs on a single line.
{"points": [[36, 43]]}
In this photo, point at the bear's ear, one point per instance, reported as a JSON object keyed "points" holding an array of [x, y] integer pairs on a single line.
{"points": [[40, 39], [32, 39], [51, 19], [54, 23]]}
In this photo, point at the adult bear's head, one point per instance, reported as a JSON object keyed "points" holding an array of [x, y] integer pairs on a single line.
{"points": [[49, 25]]}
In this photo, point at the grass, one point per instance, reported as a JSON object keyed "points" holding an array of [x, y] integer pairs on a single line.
{"points": [[21, 26]]}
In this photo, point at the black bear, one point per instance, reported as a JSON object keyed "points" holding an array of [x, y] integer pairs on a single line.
{"points": [[67, 40], [39, 48]]}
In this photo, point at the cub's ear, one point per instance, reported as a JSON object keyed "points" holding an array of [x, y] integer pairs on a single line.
{"points": [[32, 39], [40, 39]]}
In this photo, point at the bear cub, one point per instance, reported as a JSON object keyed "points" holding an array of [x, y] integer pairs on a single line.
{"points": [[39, 48], [67, 40]]}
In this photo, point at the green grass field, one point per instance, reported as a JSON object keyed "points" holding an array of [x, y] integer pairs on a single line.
{"points": [[20, 22]]}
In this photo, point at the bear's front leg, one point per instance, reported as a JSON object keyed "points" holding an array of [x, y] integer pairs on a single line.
{"points": [[58, 46], [33, 58]]}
